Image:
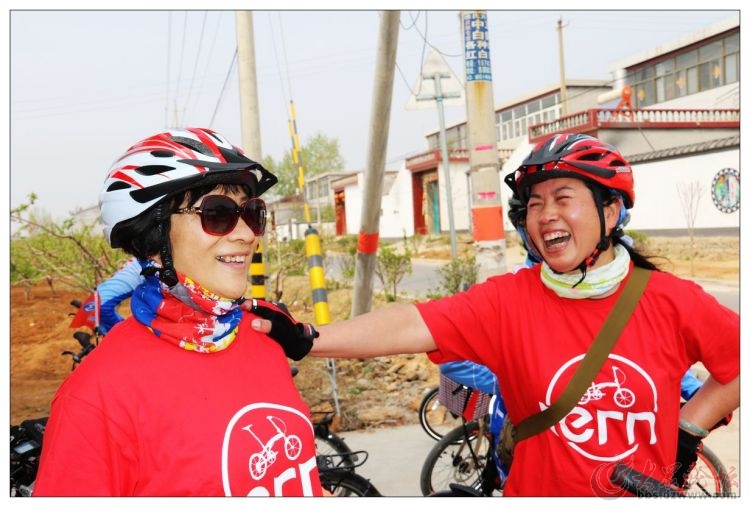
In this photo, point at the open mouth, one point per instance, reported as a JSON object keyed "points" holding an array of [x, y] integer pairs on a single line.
{"points": [[556, 240]]}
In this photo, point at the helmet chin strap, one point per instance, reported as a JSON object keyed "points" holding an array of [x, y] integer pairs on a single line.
{"points": [[167, 273]]}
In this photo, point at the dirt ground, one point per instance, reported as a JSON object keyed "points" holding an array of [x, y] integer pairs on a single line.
{"points": [[371, 393]]}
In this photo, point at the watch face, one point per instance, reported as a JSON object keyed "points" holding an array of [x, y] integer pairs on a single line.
{"points": [[725, 190]]}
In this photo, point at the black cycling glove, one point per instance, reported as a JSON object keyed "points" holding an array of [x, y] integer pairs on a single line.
{"points": [[687, 454], [296, 338]]}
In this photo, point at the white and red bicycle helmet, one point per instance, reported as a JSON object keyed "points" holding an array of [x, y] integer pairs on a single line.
{"points": [[170, 162]]}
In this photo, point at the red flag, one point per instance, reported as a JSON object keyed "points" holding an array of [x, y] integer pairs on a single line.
{"points": [[88, 313]]}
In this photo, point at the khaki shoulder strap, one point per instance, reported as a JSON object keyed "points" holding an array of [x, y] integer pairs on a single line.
{"points": [[593, 361]]}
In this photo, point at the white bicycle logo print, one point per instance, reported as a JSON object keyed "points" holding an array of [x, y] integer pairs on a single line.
{"points": [[623, 396], [260, 461]]}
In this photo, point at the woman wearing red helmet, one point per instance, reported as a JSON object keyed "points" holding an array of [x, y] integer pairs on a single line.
{"points": [[533, 328], [183, 398]]}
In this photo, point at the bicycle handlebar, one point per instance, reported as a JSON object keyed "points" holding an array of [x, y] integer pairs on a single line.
{"points": [[639, 484]]}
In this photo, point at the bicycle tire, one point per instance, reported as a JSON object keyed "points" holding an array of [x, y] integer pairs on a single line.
{"points": [[435, 418], [345, 483], [451, 461], [709, 476]]}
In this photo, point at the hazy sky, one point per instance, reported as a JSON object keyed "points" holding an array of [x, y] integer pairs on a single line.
{"points": [[85, 85]]}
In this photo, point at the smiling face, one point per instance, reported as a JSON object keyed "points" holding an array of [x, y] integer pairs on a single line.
{"points": [[563, 223], [218, 263]]}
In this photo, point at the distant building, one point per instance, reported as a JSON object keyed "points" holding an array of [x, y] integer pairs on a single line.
{"points": [[679, 129]]}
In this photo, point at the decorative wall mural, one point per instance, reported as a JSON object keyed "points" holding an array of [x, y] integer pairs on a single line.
{"points": [[725, 190]]}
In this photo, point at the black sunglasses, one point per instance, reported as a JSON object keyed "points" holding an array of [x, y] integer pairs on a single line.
{"points": [[219, 214]]}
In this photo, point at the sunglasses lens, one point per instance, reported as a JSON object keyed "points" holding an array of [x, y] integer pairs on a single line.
{"points": [[254, 215], [218, 214]]}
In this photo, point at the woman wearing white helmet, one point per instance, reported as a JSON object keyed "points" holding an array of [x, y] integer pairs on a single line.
{"points": [[533, 328], [183, 398]]}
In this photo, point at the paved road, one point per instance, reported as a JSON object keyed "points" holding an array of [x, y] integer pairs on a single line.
{"points": [[396, 455]]}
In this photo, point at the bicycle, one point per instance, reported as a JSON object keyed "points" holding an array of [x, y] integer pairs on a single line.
{"points": [[642, 485], [83, 338], [465, 461], [447, 406], [455, 468], [338, 477], [327, 442]]}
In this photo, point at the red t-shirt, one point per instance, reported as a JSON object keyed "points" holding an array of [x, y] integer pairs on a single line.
{"points": [[141, 416], [533, 340]]}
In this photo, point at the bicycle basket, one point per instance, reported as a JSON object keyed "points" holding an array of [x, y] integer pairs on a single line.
{"points": [[462, 400]]}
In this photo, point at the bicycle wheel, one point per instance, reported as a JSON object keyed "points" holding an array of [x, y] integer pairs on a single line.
{"points": [[344, 483], [454, 461], [709, 476], [435, 418]]}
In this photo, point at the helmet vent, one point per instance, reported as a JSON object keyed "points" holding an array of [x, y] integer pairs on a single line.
{"points": [[150, 170], [193, 145], [591, 156], [162, 153], [117, 185]]}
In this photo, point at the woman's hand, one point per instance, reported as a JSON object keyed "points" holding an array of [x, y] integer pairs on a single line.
{"points": [[296, 338]]}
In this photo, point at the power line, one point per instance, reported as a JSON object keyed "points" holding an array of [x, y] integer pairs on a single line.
{"points": [[223, 89], [195, 66]]}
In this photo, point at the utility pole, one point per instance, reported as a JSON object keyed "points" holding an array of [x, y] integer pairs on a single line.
{"points": [[563, 86], [367, 245], [486, 204], [250, 123], [249, 110]]}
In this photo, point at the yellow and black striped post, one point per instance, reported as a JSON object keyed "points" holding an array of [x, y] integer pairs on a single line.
{"points": [[258, 274], [297, 158], [317, 277]]}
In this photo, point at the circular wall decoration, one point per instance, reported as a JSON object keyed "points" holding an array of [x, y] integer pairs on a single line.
{"points": [[725, 190]]}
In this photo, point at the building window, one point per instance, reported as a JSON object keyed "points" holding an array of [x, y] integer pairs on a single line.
{"points": [[712, 64]]}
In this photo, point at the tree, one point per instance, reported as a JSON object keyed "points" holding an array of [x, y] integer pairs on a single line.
{"points": [[70, 251], [690, 197], [391, 268], [319, 155]]}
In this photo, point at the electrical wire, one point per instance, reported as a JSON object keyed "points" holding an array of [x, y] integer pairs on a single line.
{"points": [[223, 88], [169, 64], [209, 58], [179, 71], [195, 66]]}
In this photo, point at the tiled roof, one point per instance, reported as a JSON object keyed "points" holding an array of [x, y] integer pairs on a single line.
{"points": [[677, 151]]}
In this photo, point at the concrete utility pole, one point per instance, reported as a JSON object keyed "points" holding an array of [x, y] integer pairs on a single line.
{"points": [[563, 86], [367, 246], [486, 203], [249, 110], [250, 123]]}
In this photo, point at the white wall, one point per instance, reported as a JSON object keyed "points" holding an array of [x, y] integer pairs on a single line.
{"points": [[723, 97], [657, 200], [353, 200], [459, 197], [397, 215]]}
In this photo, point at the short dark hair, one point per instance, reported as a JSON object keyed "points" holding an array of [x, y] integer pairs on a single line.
{"points": [[143, 235]]}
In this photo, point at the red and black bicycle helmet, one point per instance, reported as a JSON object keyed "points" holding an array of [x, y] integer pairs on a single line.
{"points": [[575, 156]]}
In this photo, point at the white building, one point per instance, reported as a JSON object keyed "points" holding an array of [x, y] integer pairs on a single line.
{"points": [[679, 131]]}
